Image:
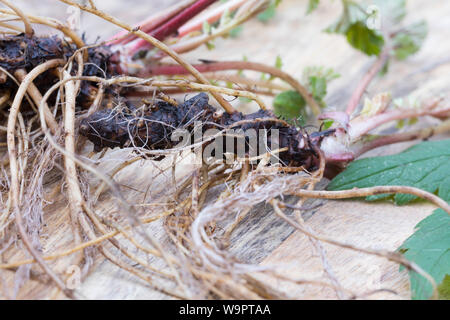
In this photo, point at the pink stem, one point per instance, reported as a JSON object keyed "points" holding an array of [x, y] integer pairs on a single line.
{"points": [[363, 126], [152, 22], [402, 137], [207, 66], [373, 71], [171, 26]]}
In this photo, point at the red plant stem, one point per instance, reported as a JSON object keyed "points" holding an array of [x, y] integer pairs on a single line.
{"points": [[373, 71], [236, 65], [402, 137], [152, 22], [363, 126], [171, 26]]}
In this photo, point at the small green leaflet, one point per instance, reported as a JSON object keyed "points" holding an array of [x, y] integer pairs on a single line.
{"points": [[234, 33], [429, 247], [312, 5], [364, 39], [290, 106], [425, 166], [409, 40], [317, 79], [269, 13], [278, 62]]}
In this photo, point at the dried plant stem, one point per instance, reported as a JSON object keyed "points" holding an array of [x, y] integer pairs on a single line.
{"points": [[53, 23], [97, 240], [15, 107], [364, 83], [168, 83], [3, 99], [130, 210], [228, 108], [14, 191], [13, 78], [363, 192], [240, 65], [392, 256], [74, 193], [111, 257], [96, 221], [10, 26], [28, 29], [34, 93]]}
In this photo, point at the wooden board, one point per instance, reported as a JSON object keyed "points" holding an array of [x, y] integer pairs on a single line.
{"points": [[298, 40]]}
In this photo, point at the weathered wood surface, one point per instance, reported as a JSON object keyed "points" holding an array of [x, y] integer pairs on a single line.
{"points": [[267, 240]]}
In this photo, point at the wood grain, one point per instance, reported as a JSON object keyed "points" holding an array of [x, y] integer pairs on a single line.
{"points": [[267, 240]]}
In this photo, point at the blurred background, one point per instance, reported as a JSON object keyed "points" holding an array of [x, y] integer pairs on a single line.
{"points": [[298, 39]]}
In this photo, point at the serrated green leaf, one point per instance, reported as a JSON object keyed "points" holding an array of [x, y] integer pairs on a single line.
{"points": [[318, 86], [425, 166], [312, 5], [317, 79], [444, 288], [409, 40], [429, 247], [290, 106], [353, 24]]}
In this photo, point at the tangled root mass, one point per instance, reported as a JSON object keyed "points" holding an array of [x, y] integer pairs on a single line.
{"points": [[151, 127]]}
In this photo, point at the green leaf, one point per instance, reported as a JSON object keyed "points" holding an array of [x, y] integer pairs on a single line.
{"points": [[234, 33], [326, 124], [206, 27], [429, 247], [409, 40], [318, 87], [425, 166], [444, 288], [312, 5], [317, 79], [290, 105], [278, 62], [269, 13], [364, 39], [210, 45], [352, 24]]}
